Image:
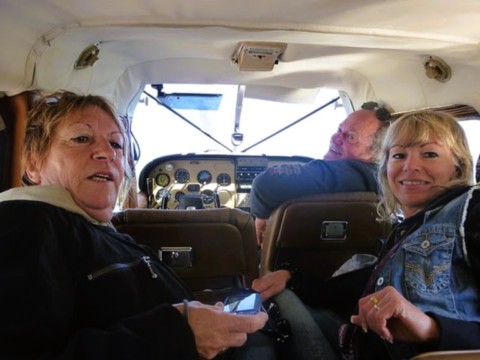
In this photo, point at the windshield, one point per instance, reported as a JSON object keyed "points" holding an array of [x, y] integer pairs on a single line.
{"points": [[233, 123]]}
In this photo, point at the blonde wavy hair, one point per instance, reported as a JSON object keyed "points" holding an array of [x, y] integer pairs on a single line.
{"points": [[416, 128], [49, 111]]}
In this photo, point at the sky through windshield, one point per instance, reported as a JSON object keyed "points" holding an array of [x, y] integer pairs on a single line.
{"points": [[165, 133]]}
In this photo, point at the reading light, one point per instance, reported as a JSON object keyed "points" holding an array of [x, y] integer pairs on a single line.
{"points": [[257, 55], [436, 68], [88, 57]]}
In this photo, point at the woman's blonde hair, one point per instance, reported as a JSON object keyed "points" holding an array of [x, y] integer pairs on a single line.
{"points": [[416, 128], [46, 115]]}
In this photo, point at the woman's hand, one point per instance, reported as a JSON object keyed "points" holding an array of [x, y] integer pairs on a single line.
{"points": [[260, 227], [271, 284], [215, 330], [393, 317]]}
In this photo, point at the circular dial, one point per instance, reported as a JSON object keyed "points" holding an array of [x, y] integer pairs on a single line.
{"points": [[178, 195], [204, 177], [224, 179], [162, 179], [182, 176], [208, 196]]}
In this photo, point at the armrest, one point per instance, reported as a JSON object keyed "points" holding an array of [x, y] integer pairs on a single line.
{"points": [[449, 355]]}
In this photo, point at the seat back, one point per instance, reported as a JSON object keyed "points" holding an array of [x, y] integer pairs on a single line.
{"points": [[319, 233], [211, 249]]}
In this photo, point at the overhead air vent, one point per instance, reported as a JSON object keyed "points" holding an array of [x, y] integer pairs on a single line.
{"points": [[436, 68], [88, 57], [257, 55]]}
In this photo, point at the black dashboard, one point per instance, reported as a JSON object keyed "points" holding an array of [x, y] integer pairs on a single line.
{"points": [[205, 180]]}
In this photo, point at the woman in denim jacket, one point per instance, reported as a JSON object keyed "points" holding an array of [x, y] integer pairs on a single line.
{"points": [[424, 292]]}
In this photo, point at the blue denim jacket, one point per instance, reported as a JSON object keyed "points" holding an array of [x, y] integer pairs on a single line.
{"points": [[431, 267]]}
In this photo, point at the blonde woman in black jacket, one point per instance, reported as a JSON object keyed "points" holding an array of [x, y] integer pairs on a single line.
{"points": [[74, 288]]}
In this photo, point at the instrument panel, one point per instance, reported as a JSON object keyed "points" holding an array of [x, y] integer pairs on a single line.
{"points": [[205, 180]]}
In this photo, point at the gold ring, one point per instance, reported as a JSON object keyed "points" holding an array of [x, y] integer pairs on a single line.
{"points": [[375, 302]]}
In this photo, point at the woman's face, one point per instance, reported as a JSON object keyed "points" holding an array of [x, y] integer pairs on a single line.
{"points": [[86, 157], [416, 173]]}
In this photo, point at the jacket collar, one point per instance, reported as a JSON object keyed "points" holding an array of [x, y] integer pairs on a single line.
{"points": [[51, 194]]}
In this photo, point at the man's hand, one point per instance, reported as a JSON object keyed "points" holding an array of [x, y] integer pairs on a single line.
{"points": [[393, 317], [271, 284]]}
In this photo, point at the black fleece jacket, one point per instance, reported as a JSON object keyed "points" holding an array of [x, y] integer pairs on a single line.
{"points": [[74, 290]]}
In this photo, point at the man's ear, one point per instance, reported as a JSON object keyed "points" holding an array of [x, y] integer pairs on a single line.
{"points": [[32, 169], [372, 157]]}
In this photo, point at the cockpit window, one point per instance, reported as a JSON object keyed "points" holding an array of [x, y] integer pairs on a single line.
{"points": [[472, 129], [224, 119]]}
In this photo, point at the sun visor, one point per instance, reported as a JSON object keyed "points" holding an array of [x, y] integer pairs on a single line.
{"points": [[188, 101], [281, 94]]}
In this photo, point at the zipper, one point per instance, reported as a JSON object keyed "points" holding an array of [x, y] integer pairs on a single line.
{"points": [[144, 259], [147, 261]]}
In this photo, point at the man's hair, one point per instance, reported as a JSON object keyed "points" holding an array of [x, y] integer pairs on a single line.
{"points": [[49, 111], [378, 138], [384, 116], [413, 129]]}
